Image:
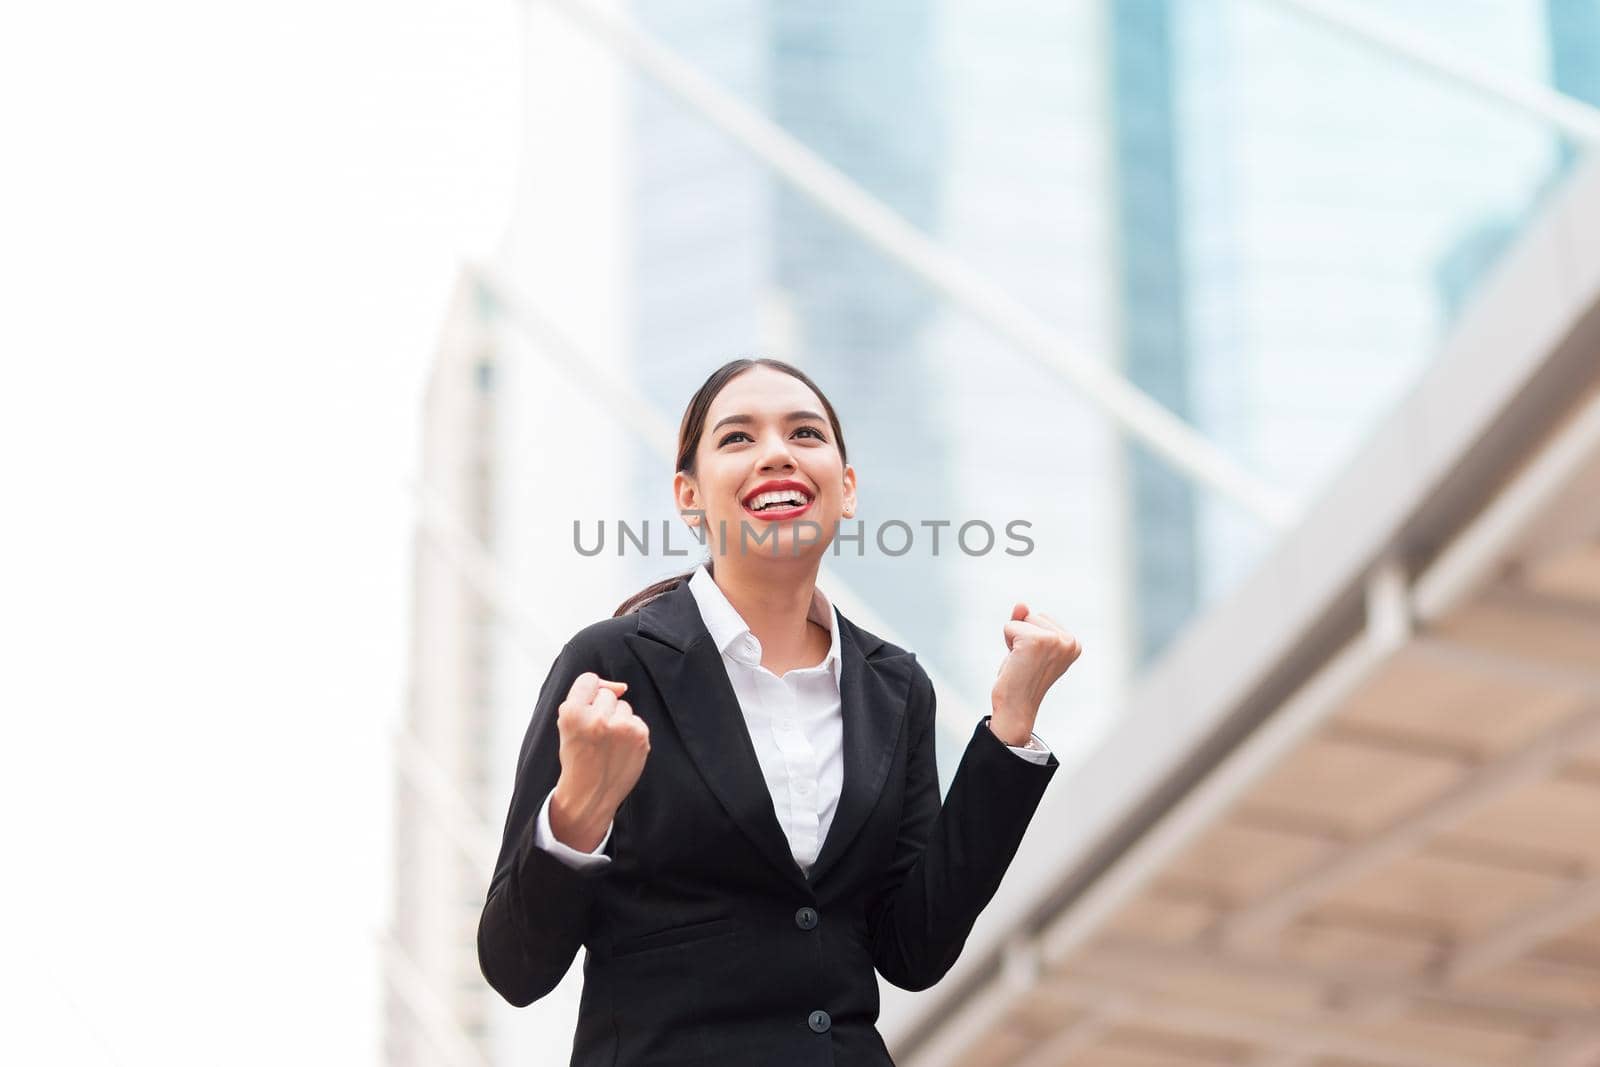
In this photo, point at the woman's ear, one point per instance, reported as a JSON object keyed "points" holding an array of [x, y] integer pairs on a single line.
{"points": [[849, 491], [687, 497]]}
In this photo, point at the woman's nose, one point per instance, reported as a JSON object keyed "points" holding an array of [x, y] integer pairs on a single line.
{"points": [[777, 456]]}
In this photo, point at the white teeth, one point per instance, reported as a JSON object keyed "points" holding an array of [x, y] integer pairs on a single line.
{"points": [[793, 497]]}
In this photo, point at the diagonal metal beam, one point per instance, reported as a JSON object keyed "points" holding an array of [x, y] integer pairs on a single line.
{"points": [[1098, 1021], [1567, 910], [1578, 1046], [1489, 661], [1474, 558], [1572, 116], [1179, 444], [1274, 911], [1127, 959], [1170, 1012], [1122, 956]]}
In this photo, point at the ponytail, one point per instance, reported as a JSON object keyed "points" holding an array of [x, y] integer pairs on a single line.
{"points": [[655, 589]]}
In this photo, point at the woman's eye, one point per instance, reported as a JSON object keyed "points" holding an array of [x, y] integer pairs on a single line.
{"points": [[740, 433]]}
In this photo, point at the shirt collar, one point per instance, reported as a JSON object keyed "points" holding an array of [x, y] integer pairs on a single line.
{"points": [[733, 637]]}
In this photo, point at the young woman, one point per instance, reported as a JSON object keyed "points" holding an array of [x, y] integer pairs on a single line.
{"points": [[728, 792]]}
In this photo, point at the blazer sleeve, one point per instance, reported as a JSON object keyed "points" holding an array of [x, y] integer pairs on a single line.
{"points": [[538, 908], [949, 859]]}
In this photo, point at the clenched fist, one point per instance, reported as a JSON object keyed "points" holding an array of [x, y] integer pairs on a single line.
{"points": [[603, 749], [1040, 651]]}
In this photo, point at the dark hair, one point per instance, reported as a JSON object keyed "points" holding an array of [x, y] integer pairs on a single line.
{"points": [[693, 427]]}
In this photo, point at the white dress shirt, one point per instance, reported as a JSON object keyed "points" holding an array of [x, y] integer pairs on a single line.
{"points": [[795, 723]]}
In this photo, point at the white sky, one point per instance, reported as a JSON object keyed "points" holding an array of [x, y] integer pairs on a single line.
{"points": [[226, 238]]}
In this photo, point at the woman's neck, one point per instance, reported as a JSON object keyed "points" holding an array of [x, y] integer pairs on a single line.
{"points": [[774, 599]]}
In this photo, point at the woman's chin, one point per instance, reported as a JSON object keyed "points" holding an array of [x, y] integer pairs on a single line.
{"points": [[780, 540]]}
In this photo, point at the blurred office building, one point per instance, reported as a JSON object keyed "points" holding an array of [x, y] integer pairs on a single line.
{"points": [[1286, 224], [447, 751]]}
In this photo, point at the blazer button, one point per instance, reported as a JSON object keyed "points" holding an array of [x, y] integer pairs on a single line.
{"points": [[806, 918], [820, 1022]]}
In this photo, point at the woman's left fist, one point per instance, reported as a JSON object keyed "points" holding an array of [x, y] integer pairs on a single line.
{"points": [[1039, 651]]}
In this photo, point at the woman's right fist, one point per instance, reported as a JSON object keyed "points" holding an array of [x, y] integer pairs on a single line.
{"points": [[603, 749]]}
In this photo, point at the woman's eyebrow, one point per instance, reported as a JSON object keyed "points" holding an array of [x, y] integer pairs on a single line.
{"points": [[793, 416]]}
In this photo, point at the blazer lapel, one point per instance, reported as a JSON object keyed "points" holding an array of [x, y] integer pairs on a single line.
{"points": [[677, 651], [873, 694]]}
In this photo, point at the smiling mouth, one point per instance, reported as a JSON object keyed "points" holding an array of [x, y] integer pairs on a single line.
{"points": [[782, 503]]}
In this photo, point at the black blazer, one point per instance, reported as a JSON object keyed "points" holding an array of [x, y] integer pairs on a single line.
{"points": [[705, 941]]}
